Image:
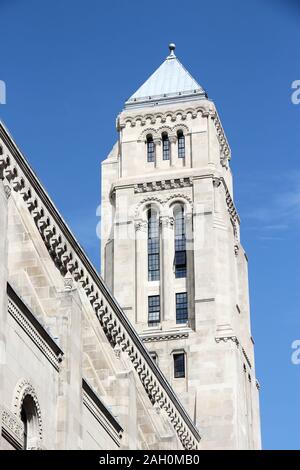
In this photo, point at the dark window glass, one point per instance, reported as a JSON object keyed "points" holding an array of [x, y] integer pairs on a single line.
{"points": [[153, 246], [179, 365], [24, 419], [181, 308], [154, 357], [181, 144], [153, 310], [166, 146], [180, 243], [150, 149]]}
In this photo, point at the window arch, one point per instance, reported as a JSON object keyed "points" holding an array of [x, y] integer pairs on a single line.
{"points": [[165, 146], [29, 416], [153, 245], [150, 148], [181, 144], [26, 407], [180, 241]]}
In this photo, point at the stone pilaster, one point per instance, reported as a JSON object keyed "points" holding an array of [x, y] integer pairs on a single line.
{"points": [[167, 274], [141, 228], [69, 401]]}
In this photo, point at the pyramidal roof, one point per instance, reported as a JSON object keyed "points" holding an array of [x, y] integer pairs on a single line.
{"points": [[169, 83]]}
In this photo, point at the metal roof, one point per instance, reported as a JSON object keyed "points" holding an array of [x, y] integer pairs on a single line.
{"points": [[170, 82]]}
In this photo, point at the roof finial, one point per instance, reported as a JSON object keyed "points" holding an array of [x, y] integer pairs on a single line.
{"points": [[172, 47]]}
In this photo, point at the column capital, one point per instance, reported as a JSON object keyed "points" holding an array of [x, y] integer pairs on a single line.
{"points": [[166, 221], [141, 225]]}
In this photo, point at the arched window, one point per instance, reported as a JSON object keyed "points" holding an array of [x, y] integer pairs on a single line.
{"points": [[165, 146], [181, 144], [153, 245], [180, 242], [150, 149], [30, 420]]}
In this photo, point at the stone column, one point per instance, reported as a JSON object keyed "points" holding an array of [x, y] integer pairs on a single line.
{"points": [[190, 279], [158, 152], [173, 150], [3, 282], [69, 400], [141, 270], [167, 273]]}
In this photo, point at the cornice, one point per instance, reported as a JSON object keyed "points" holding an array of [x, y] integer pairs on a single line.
{"points": [[160, 116], [161, 185], [150, 338], [33, 328], [68, 256], [101, 412]]}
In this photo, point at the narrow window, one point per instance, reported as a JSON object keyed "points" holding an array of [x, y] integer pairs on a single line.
{"points": [[153, 310], [153, 357], [153, 246], [150, 149], [180, 242], [181, 144], [1, 150], [181, 307], [179, 365], [166, 146]]}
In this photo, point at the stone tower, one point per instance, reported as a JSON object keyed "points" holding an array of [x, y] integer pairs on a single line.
{"points": [[171, 252]]}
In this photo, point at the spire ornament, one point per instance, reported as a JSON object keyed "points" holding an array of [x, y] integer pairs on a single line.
{"points": [[172, 48]]}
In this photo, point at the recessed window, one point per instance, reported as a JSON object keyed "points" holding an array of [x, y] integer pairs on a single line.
{"points": [[166, 146], [181, 144], [29, 418], [153, 357], [181, 307], [153, 310], [153, 246], [25, 423], [180, 242], [150, 149], [1, 150], [179, 365]]}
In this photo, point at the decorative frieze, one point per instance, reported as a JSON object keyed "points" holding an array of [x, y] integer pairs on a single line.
{"points": [[162, 185], [159, 117], [164, 337], [12, 428]]}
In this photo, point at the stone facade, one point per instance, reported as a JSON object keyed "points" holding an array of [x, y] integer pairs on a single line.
{"points": [[219, 388], [80, 365], [73, 372]]}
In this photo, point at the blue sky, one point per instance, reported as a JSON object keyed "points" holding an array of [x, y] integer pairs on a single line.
{"points": [[70, 65]]}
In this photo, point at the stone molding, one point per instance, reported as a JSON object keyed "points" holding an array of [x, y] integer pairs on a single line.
{"points": [[156, 133], [179, 114], [31, 326], [68, 256], [101, 413], [224, 146], [162, 185], [23, 389], [12, 428], [164, 337], [235, 340]]}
